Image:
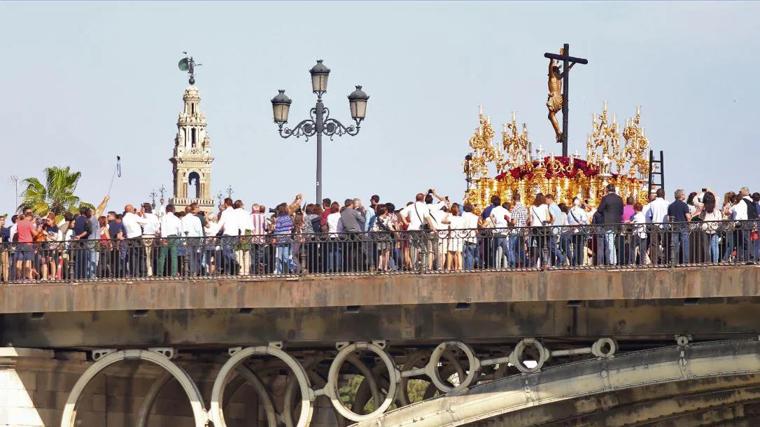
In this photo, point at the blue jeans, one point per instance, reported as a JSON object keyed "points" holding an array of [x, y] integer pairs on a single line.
{"points": [[579, 248], [470, 255], [609, 247], [517, 246], [283, 261], [335, 256], [714, 258], [556, 257], [564, 246], [506, 252], [681, 241], [639, 243], [92, 264]]}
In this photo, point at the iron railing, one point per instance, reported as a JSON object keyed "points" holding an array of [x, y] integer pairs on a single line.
{"points": [[620, 246]]}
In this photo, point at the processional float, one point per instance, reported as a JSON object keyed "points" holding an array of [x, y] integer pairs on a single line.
{"points": [[518, 169]]}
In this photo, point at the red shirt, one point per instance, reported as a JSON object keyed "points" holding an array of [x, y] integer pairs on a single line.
{"points": [[323, 220], [24, 229]]}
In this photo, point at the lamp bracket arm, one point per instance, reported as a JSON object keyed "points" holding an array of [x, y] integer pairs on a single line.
{"points": [[305, 128]]}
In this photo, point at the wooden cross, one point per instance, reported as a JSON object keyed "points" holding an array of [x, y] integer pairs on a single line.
{"points": [[567, 63]]}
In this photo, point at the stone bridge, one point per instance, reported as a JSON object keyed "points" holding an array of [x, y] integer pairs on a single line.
{"points": [[628, 347]]}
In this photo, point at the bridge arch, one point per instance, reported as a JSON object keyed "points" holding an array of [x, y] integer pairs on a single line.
{"points": [[200, 416], [702, 361]]}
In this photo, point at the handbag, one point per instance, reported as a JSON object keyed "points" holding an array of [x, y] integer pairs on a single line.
{"points": [[424, 226]]}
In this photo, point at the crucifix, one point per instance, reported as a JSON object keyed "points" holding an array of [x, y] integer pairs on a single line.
{"points": [[559, 90]]}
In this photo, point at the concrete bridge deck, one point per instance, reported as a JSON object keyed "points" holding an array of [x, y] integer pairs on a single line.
{"points": [[384, 290]]}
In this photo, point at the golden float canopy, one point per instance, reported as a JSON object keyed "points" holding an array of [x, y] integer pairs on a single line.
{"points": [[607, 162]]}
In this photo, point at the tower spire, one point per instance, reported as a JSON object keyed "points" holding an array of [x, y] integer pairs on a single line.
{"points": [[191, 160]]}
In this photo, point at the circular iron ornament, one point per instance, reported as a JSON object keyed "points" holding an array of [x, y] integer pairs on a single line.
{"points": [[604, 347], [516, 358], [331, 389], [307, 395], [431, 369]]}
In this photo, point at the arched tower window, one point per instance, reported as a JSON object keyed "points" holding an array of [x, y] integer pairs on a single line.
{"points": [[194, 185], [192, 108], [192, 137]]}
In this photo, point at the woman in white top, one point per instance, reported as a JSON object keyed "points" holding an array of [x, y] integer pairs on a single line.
{"points": [[456, 239], [439, 221], [334, 247]]}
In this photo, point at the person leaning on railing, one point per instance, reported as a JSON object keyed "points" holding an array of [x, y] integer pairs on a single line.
{"points": [[710, 215]]}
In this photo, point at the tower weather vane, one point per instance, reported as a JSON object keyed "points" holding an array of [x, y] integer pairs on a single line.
{"points": [[559, 90], [188, 64]]}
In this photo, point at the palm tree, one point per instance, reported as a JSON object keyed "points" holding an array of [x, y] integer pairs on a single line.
{"points": [[56, 195]]}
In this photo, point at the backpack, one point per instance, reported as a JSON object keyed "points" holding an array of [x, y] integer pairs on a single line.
{"points": [[751, 209], [316, 223]]}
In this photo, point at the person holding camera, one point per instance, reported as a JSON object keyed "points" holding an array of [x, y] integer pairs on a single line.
{"points": [[419, 222]]}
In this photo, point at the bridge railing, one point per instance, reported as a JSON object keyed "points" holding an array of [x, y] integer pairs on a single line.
{"points": [[618, 246]]}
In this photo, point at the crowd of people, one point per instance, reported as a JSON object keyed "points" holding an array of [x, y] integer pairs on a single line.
{"points": [[428, 234]]}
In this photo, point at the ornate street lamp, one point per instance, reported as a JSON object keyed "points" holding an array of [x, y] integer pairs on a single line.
{"points": [[320, 122]]}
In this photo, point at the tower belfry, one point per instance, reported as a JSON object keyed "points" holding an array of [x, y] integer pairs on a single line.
{"points": [[191, 161]]}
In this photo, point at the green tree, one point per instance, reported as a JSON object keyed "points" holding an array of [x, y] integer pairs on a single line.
{"points": [[56, 194]]}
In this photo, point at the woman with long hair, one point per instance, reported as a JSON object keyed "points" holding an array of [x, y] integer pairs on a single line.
{"points": [[710, 215], [383, 228]]}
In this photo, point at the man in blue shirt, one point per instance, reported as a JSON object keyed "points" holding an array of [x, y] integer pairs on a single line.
{"points": [[678, 214]]}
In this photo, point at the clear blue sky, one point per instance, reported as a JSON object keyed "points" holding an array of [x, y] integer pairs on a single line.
{"points": [[83, 82]]}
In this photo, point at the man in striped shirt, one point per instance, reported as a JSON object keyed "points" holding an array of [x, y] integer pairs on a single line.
{"points": [[517, 238]]}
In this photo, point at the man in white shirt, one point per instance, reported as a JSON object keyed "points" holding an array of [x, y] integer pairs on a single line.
{"points": [[192, 229], [229, 220], [133, 229], [500, 218], [171, 230], [229, 224], [151, 229], [657, 213], [417, 215], [245, 228], [471, 241]]}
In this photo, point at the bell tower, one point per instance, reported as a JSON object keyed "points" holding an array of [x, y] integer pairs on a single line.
{"points": [[191, 162]]}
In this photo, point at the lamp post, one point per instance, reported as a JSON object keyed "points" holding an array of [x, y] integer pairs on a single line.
{"points": [[320, 123], [15, 180]]}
